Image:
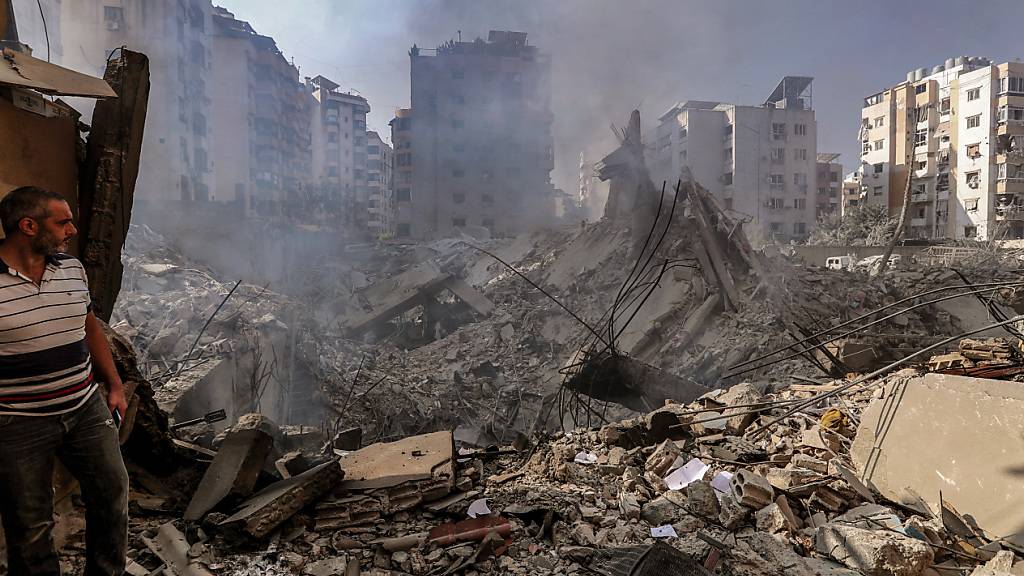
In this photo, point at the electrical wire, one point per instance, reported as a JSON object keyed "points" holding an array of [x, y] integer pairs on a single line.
{"points": [[45, 31]]}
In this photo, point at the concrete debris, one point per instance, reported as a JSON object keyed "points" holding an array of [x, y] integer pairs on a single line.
{"points": [[874, 552]]}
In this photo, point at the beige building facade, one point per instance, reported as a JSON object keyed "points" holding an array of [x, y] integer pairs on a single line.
{"points": [[379, 161]]}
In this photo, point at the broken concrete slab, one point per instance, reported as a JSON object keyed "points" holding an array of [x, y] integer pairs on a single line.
{"points": [[265, 511], [236, 467], [629, 382], [874, 552], [470, 296], [952, 435], [417, 458]]}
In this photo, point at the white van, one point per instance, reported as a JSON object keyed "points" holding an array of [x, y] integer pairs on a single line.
{"points": [[839, 262]]}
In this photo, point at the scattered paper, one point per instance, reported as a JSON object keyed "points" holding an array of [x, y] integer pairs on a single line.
{"points": [[689, 473], [479, 508], [585, 458], [666, 531], [721, 484]]}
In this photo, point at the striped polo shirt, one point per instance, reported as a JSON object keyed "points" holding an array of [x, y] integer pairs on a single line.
{"points": [[44, 361]]}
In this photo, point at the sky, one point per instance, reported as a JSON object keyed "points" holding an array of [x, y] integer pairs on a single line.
{"points": [[609, 57]]}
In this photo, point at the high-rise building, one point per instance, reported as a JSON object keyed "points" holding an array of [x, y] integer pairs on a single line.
{"points": [[338, 134], [958, 127], [379, 159], [401, 205], [177, 144], [261, 117], [829, 179], [481, 143], [757, 161]]}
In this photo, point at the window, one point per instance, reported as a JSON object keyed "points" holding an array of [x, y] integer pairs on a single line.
{"points": [[458, 197], [872, 100], [458, 74], [402, 230], [799, 228], [921, 137], [944, 106], [778, 155], [878, 144], [974, 150], [332, 137], [853, 202], [942, 182], [459, 222], [728, 155], [799, 178], [974, 121], [800, 154], [776, 203], [488, 222], [776, 180], [877, 168], [877, 191], [920, 88], [973, 94], [833, 177], [971, 204], [879, 121], [487, 199], [682, 131], [775, 227], [799, 129], [778, 131], [920, 165], [727, 178], [866, 148], [800, 203], [402, 195], [1011, 113], [458, 172], [374, 149], [728, 130], [728, 203], [1012, 85], [113, 15], [973, 179]]}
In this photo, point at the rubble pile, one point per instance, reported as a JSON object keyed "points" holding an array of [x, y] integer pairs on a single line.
{"points": [[736, 482]]}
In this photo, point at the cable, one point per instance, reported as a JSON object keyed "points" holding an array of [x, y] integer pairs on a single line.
{"points": [[45, 31], [867, 314]]}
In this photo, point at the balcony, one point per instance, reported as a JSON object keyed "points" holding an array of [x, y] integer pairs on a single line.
{"points": [[1011, 127], [919, 197], [1012, 212], [1010, 186], [918, 222]]}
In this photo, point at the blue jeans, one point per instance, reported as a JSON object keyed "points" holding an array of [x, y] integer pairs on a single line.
{"points": [[85, 441]]}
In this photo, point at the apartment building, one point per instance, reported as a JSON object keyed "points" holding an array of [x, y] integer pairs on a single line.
{"points": [[379, 161], [960, 138], [338, 136], [757, 161], [480, 136], [829, 185], [852, 193], [175, 164], [262, 118], [401, 139]]}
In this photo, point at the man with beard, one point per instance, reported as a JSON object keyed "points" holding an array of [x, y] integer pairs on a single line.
{"points": [[51, 346]]}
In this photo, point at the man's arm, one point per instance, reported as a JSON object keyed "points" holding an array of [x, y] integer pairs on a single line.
{"points": [[103, 364]]}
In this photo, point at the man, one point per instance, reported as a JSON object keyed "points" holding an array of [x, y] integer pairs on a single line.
{"points": [[51, 345]]}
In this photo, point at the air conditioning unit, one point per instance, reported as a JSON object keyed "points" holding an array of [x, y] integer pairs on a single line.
{"points": [[973, 183]]}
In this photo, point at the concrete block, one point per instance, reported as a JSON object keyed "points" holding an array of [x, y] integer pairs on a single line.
{"points": [[740, 394], [776, 517], [732, 514], [236, 467], [662, 458], [953, 434], [874, 552], [751, 490], [291, 464], [661, 511]]}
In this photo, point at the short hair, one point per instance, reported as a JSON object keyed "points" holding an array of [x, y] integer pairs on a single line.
{"points": [[25, 202]]}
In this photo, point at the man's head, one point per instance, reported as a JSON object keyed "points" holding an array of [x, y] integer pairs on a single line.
{"points": [[40, 217]]}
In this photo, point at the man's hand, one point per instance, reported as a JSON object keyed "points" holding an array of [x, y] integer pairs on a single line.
{"points": [[116, 399]]}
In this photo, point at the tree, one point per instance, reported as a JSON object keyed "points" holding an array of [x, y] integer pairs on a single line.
{"points": [[860, 226]]}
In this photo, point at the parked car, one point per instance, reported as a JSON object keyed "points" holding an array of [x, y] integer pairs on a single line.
{"points": [[839, 262]]}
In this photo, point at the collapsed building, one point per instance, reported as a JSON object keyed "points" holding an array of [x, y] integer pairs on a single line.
{"points": [[646, 392]]}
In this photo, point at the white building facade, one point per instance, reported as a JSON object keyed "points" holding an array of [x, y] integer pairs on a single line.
{"points": [[759, 162]]}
